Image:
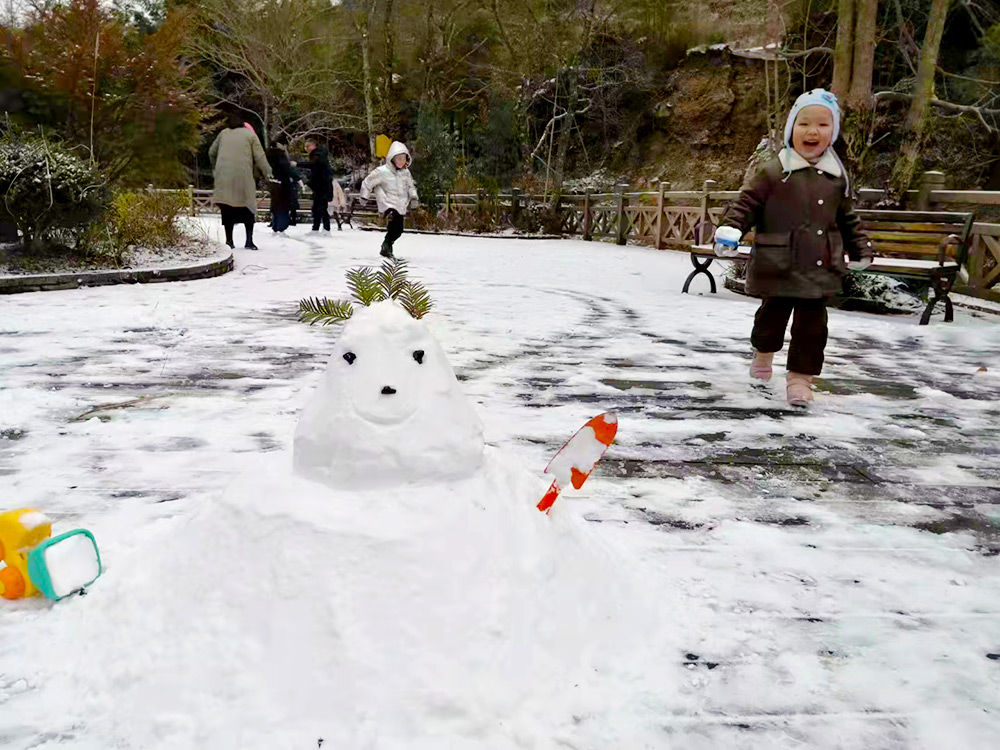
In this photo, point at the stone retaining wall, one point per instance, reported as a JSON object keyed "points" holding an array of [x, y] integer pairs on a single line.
{"points": [[216, 266]]}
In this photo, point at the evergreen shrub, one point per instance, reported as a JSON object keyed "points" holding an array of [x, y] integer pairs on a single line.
{"points": [[50, 195], [436, 156], [145, 218]]}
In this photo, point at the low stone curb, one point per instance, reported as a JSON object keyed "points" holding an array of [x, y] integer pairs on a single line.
{"points": [[217, 266]]}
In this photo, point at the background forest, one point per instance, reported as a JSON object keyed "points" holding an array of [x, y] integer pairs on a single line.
{"points": [[556, 94]]}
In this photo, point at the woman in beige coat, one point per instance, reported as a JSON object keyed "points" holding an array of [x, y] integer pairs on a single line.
{"points": [[236, 154]]}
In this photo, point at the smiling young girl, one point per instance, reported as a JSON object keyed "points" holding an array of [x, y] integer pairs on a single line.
{"points": [[800, 206]]}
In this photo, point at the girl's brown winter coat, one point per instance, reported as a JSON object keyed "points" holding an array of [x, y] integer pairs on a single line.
{"points": [[804, 223]]}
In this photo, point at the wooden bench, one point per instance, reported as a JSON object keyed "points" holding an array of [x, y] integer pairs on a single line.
{"points": [[925, 249], [702, 257], [365, 208]]}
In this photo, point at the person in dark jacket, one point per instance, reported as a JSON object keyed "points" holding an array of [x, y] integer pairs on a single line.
{"points": [[800, 206], [281, 186], [320, 182], [293, 206]]}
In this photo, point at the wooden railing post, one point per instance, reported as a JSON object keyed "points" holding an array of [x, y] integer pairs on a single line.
{"points": [[588, 225], [658, 243], [622, 226], [447, 203], [932, 180], [515, 205], [974, 260], [191, 198]]}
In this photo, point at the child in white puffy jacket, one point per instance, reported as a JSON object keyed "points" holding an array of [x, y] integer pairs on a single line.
{"points": [[394, 191]]}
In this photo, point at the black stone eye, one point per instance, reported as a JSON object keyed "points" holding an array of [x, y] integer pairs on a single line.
{"points": [[419, 356], [350, 357]]}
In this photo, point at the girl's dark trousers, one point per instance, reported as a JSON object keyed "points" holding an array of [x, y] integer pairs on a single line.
{"points": [[232, 215], [280, 220], [394, 228], [809, 331], [321, 213]]}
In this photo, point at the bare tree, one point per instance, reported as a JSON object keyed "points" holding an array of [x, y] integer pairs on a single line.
{"points": [[364, 26], [923, 91], [843, 56], [281, 56]]}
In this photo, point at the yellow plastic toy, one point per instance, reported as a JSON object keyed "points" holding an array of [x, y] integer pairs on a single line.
{"points": [[20, 530]]}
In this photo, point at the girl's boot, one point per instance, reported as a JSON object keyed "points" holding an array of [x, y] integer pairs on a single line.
{"points": [[760, 367], [798, 389], [249, 244]]}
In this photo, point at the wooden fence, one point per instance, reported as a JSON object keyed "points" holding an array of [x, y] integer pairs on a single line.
{"points": [[677, 218]]}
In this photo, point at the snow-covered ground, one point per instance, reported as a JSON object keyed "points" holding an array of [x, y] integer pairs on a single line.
{"points": [[735, 574]]}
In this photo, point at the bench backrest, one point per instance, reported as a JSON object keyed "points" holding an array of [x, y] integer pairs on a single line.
{"points": [[915, 234]]}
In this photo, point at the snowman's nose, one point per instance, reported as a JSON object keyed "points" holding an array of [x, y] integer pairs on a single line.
{"points": [[388, 390]]}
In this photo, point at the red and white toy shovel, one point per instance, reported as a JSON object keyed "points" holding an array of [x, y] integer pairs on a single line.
{"points": [[575, 460]]}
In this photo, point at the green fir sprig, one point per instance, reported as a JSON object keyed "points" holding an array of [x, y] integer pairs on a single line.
{"points": [[364, 286], [368, 286], [324, 310]]}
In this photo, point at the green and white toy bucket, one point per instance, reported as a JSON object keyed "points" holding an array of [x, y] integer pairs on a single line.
{"points": [[65, 564]]}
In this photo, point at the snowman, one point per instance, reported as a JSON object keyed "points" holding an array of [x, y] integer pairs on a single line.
{"points": [[388, 410]]}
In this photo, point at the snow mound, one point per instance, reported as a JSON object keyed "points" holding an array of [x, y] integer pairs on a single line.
{"points": [[388, 585], [279, 615], [388, 410]]}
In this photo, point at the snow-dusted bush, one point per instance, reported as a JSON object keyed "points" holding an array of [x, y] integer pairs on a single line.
{"points": [[878, 293], [146, 219], [539, 218], [50, 194]]}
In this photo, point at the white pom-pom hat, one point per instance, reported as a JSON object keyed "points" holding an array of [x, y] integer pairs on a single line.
{"points": [[816, 97]]}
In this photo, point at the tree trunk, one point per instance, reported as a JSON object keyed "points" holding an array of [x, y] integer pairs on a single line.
{"points": [[369, 104], [843, 55], [923, 92], [559, 167], [387, 30], [860, 91]]}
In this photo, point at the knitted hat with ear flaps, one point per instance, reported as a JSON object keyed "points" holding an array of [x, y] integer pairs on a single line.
{"points": [[820, 97]]}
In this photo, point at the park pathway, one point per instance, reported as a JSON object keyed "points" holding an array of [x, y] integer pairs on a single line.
{"points": [[838, 565]]}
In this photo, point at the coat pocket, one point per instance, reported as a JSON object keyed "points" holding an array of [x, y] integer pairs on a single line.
{"points": [[772, 254], [837, 251]]}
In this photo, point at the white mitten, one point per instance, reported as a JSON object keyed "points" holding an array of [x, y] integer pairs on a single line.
{"points": [[727, 241], [859, 265]]}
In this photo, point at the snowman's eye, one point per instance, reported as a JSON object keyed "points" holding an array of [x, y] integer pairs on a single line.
{"points": [[419, 356], [350, 357]]}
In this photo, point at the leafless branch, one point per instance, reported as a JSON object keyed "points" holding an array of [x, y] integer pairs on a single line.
{"points": [[805, 52], [980, 112]]}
